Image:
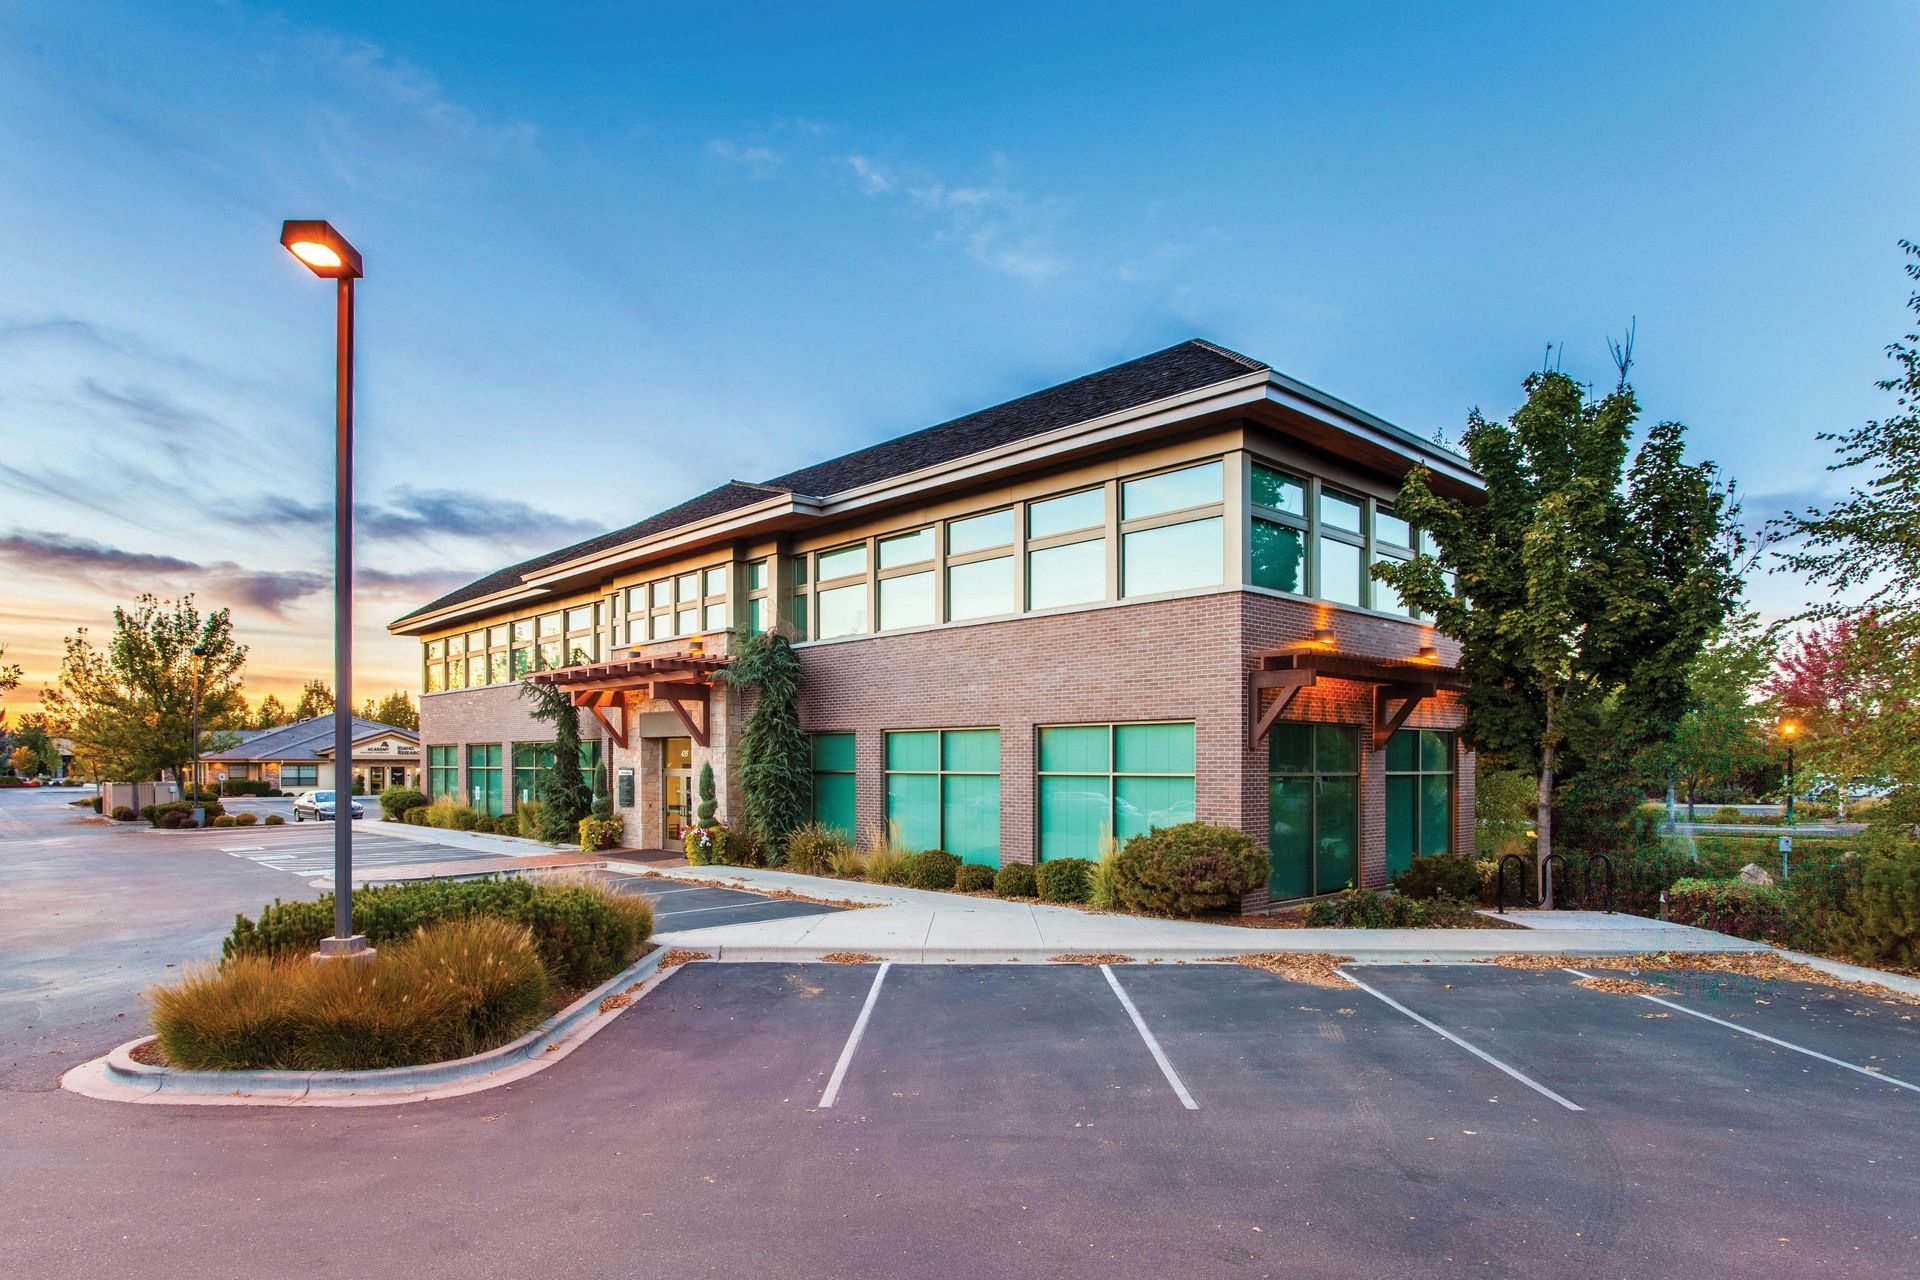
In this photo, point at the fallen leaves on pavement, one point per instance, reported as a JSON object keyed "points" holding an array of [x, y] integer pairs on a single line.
{"points": [[1316, 968]]}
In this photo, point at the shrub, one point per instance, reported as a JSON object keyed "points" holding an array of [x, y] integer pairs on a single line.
{"points": [[1884, 927], [250, 787], [601, 833], [224, 820], [124, 813], [1728, 814], [454, 988], [933, 869], [395, 801], [485, 825], [810, 848], [247, 819], [699, 845], [583, 932], [98, 802], [1365, 909], [1431, 875], [744, 848], [275, 820], [973, 878], [414, 817], [847, 862], [1187, 869], [1016, 880], [157, 814], [1757, 911], [1063, 879], [448, 814], [528, 819]]}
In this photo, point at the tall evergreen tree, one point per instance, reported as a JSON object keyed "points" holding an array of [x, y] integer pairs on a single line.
{"points": [[776, 769], [315, 700], [564, 795], [1585, 587]]}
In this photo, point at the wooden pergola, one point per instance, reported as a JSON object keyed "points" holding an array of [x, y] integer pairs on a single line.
{"points": [[684, 681], [1399, 685]]}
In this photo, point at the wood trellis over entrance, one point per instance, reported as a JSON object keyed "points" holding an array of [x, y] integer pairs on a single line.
{"points": [[684, 681], [1399, 685]]}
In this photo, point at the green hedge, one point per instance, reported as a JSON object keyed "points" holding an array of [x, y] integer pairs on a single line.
{"points": [[1757, 911], [1431, 875], [933, 869], [1064, 879], [1016, 880], [972, 877], [1188, 869], [395, 801], [584, 933], [1884, 925]]}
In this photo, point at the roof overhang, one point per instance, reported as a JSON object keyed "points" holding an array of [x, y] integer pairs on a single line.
{"points": [[1398, 685], [681, 680]]}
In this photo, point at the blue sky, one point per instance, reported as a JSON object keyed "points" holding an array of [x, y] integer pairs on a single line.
{"points": [[617, 253]]}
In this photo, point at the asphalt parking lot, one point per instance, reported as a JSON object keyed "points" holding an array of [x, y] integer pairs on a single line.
{"points": [[681, 908]]}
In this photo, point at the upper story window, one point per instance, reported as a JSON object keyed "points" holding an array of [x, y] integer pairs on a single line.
{"points": [[1172, 530], [980, 578], [1342, 548], [1279, 544]]}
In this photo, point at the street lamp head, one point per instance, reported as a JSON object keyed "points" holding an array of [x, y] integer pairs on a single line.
{"points": [[324, 250], [1788, 728]]}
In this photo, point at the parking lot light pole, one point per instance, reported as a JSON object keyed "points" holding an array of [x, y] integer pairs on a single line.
{"points": [[198, 652], [328, 255]]}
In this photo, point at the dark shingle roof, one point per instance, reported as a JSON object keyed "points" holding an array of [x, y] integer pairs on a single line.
{"points": [[301, 740], [1186, 367]]}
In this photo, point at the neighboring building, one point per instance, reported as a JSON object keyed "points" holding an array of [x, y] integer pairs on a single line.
{"points": [[1125, 601], [299, 756]]}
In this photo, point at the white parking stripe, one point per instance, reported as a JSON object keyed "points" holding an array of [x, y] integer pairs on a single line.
{"points": [[731, 906], [1153, 1045], [1759, 1035], [1481, 1054], [853, 1037]]}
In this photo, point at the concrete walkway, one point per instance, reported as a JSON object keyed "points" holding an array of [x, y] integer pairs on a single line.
{"points": [[919, 926]]}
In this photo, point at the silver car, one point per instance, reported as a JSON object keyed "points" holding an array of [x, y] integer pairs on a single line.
{"points": [[318, 805]]}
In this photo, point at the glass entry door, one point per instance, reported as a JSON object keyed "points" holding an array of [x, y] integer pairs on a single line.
{"points": [[676, 789]]}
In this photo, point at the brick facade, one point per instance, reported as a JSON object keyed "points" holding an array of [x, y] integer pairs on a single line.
{"points": [[1173, 659]]}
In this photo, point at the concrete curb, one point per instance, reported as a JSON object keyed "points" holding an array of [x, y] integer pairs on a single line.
{"points": [[1852, 972], [117, 1077], [1188, 953]]}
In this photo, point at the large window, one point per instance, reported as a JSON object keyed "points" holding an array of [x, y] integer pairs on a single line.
{"points": [[1419, 796], [443, 772], [1279, 531], [1342, 549], [842, 600], [295, 776], [833, 790], [1171, 531], [532, 760], [980, 566], [1392, 544], [1314, 809], [1112, 781], [483, 777], [943, 791], [686, 604], [1067, 550], [906, 581]]}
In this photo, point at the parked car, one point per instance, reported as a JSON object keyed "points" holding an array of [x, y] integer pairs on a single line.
{"points": [[318, 805]]}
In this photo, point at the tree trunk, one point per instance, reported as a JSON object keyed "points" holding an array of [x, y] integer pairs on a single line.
{"points": [[1543, 827]]}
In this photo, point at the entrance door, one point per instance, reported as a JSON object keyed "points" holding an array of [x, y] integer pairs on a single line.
{"points": [[676, 789]]}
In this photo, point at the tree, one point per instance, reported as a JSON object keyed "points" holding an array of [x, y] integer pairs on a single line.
{"points": [[10, 675], [33, 735], [315, 700], [25, 761], [776, 767], [1583, 586], [128, 707], [1848, 685], [1722, 738], [564, 797], [708, 810], [271, 714], [396, 709]]}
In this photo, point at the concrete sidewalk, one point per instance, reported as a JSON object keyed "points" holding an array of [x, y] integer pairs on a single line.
{"points": [[919, 926]]}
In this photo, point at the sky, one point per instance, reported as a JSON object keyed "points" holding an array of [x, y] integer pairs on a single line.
{"points": [[618, 253]]}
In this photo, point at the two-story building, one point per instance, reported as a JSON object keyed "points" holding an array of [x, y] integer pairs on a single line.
{"points": [[1133, 599]]}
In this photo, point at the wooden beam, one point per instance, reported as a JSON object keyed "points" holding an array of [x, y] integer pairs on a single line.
{"points": [[680, 697], [1289, 683], [1409, 696], [618, 733]]}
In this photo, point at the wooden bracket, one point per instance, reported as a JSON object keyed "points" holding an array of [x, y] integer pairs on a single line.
{"points": [[598, 702], [681, 696], [1289, 683], [1386, 724]]}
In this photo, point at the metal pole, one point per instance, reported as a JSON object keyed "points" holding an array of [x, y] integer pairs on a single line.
{"points": [[1789, 784], [193, 801], [343, 615]]}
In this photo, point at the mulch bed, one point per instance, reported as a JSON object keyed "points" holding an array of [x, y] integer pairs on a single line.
{"points": [[1315, 968], [1090, 957], [1762, 965], [850, 957], [147, 1053]]}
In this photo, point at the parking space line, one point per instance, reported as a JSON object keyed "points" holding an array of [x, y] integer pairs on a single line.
{"points": [[1153, 1045], [853, 1037], [730, 906], [1761, 1035], [1479, 1053]]}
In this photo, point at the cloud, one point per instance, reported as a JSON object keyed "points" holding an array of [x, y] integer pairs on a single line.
{"points": [[419, 514], [57, 555], [998, 226], [265, 591], [154, 410], [758, 161]]}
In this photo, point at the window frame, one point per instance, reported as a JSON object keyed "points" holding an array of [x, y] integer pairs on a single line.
{"points": [[1112, 776], [940, 773]]}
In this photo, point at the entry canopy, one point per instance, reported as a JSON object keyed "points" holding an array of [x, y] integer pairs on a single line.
{"points": [[1290, 668], [681, 680]]}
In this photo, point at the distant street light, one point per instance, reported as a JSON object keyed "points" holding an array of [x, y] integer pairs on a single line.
{"points": [[328, 255], [198, 651], [1787, 729]]}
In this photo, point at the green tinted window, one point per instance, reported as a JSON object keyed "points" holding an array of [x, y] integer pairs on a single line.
{"points": [[1313, 809], [1335, 749], [1279, 557], [1420, 791], [1153, 748], [943, 791], [1075, 749], [1290, 748], [971, 751], [1279, 491], [913, 809], [1114, 781], [833, 781], [833, 752], [919, 752]]}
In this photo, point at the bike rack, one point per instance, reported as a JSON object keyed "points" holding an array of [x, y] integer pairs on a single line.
{"points": [[1546, 872]]}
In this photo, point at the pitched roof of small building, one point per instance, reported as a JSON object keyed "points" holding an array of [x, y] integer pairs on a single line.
{"points": [[303, 740]]}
